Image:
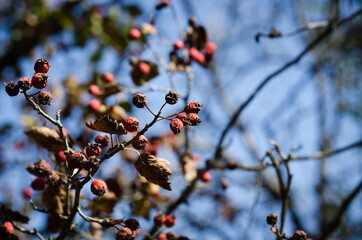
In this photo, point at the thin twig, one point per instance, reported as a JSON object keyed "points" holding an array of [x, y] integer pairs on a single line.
{"points": [[106, 222], [23, 230]]}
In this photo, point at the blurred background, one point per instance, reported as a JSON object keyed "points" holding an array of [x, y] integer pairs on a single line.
{"points": [[315, 105]]}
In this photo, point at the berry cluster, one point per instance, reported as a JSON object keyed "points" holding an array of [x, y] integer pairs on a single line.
{"points": [[106, 79], [161, 219], [129, 231]]}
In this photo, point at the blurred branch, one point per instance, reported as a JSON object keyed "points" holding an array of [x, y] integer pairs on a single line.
{"points": [[23, 230], [106, 222]]}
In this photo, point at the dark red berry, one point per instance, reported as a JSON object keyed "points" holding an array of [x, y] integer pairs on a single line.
{"points": [[93, 149], [162, 236], [170, 221], [38, 184], [139, 100], [140, 142], [60, 157], [131, 124], [94, 105], [125, 234], [24, 83], [183, 117], [205, 176], [98, 187], [171, 97], [107, 77], [132, 224], [7, 228], [102, 140], [77, 160], [193, 107], [54, 180], [299, 235], [162, 4], [196, 55], [45, 97], [159, 219], [12, 89], [193, 119], [272, 219], [42, 65], [144, 67], [94, 90], [178, 44], [134, 34], [210, 48], [176, 125], [39, 80], [27, 192]]}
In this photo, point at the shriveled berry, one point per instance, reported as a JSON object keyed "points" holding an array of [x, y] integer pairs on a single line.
{"points": [[107, 77], [102, 140], [125, 234], [272, 219], [299, 235], [139, 100], [134, 34], [27, 192], [60, 157], [196, 55], [193, 119], [77, 160], [140, 142], [162, 4], [54, 180], [42, 168], [192, 107], [12, 89], [7, 228], [39, 80], [42, 65], [162, 236], [93, 149], [176, 125], [178, 44], [38, 184], [131, 124], [93, 90], [132, 224], [45, 97], [159, 219], [144, 67], [170, 221], [94, 105], [98, 187], [93, 162], [24, 83], [171, 97], [205, 176]]}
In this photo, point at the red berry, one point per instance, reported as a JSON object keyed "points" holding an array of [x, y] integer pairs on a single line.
{"points": [[94, 105], [125, 234], [94, 90], [38, 184], [205, 176], [196, 55], [176, 125], [299, 235], [98, 187], [77, 160], [107, 77], [159, 219], [12, 89], [54, 180], [42, 65], [45, 97], [60, 157], [178, 44], [103, 140], [193, 107], [183, 117], [140, 143], [193, 119], [131, 124], [27, 192], [170, 221], [152, 148], [24, 83], [42, 168], [134, 34], [7, 228], [139, 100], [162, 4], [39, 80], [210, 48], [93, 149], [162, 236], [144, 67]]}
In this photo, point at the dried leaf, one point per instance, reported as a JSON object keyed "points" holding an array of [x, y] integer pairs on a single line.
{"points": [[154, 169], [13, 215], [107, 125], [148, 29], [53, 199], [197, 37], [47, 138], [105, 203], [188, 168], [142, 207], [117, 113], [111, 89]]}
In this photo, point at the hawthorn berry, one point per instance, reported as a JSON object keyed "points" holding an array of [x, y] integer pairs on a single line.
{"points": [[98, 187], [178, 44], [139, 100], [196, 55], [102, 140], [42, 168], [159, 219], [42, 65], [45, 97], [131, 124], [94, 105], [171, 235], [54, 180], [299, 235], [170, 221], [7, 228], [27, 192], [12, 89], [205, 176], [132, 224], [183, 117], [107, 77], [193, 119], [162, 236], [125, 234], [93, 90], [176, 125], [210, 48], [93, 149], [38, 184], [77, 160], [171, 97], [144, 67], [140, 142], [39, 80], [60, 157], [162, 4], [24, 83], [192, 107], [272, 219], [134, 34]]}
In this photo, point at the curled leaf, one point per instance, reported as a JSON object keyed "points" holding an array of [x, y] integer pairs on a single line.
{"points": [[47, 138], [107, 125], [154, 169]]}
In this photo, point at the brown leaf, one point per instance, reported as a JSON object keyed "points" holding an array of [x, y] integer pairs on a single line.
{"points": [[197, 36], [188, 168], [111, 89], [117, 113], [154, 169], [107, 125], [148, 29], [105, 203], [47, 138], [13, 215]]}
